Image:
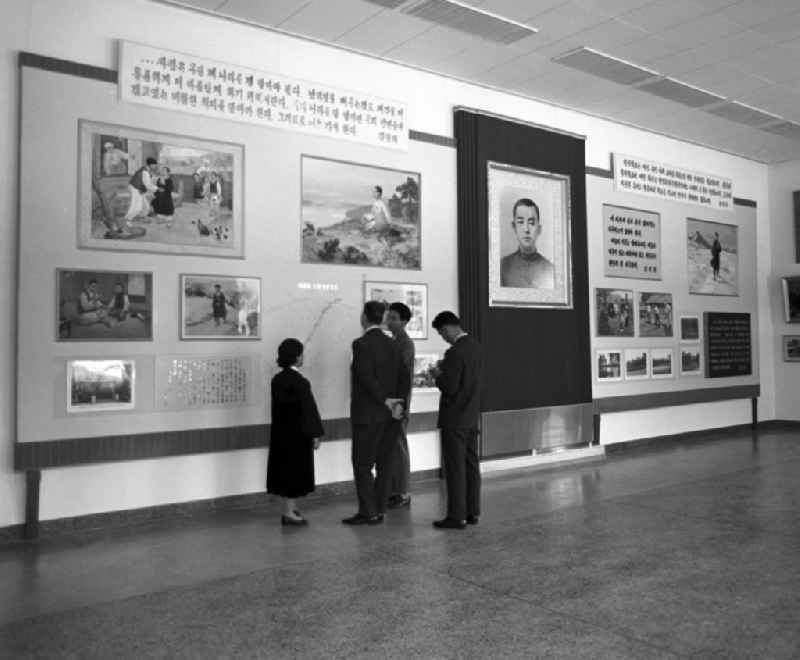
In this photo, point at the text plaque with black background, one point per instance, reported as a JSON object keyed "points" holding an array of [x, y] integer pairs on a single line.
{"points": [[728, 344]]}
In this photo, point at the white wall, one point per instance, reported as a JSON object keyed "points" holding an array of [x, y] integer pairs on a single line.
{"points": [[783, 180], [86, 30]]}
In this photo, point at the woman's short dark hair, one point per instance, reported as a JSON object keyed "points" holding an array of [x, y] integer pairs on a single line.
{"points": [[374, 311], [445, 318], [288, 352], [402, 311]]}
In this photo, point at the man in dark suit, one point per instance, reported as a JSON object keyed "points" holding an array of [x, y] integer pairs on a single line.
{"points": [[458, 378], [378, 387]]}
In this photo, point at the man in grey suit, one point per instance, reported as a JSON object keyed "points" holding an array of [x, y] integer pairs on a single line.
{"points": [[458, 377], [378, 387], [396, 320]]}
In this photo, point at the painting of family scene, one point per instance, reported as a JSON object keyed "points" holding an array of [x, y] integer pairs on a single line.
{"points": [[360, 215], [98, 385], [614, 312], [219, 307], [415, 296], [655, 314], [104, 305], [147, 191], [712, 252]]}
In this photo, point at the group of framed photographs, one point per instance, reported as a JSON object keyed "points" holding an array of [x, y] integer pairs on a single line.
{"points": [[616, 364], [790, 287], [616, 313]]}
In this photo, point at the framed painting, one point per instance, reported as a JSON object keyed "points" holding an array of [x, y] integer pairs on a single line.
{"points": [[144, 191], [637, 363], [712, 254], [415, 296], [662, 363], [220, 307], [791, 299], [609, 365], [104, 305], [655, 314], [530, 253], [691, 360], [423, 379], [360, 215], [100, 385], [614, 312]]}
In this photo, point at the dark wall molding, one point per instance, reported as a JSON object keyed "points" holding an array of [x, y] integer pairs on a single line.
{"points": [[677, 398], [67, 67]]}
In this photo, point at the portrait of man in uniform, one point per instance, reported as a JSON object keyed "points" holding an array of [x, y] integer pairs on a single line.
{"points": [[526, 267]]}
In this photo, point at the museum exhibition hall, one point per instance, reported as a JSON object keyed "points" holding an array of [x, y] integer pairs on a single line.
{"points": [[516, 282]]}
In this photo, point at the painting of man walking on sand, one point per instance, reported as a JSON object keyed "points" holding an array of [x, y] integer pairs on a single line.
{"points": [[360, 215], [712, 251]]}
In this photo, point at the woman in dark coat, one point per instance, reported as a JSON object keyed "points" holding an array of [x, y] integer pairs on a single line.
{"points": [[296, 431], [163, 204]]}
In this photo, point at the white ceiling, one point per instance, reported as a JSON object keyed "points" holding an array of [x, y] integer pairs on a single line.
{"points": [[745, 50]]}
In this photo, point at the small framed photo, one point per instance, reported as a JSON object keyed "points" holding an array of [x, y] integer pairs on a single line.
{"points": [[690, 328], [220, 307], [415, 296], [637, 363], [100, 385], [104, 305], [423, 379], [791, 348], [614, 309], [791, 299], [609, 365], [691, 360], [655, 314], [661, 361]]}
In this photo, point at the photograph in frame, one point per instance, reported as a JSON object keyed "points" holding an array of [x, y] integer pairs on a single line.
{"points": [[104, 305], [791, 348], [712, 252], [140, 190], [637, 363], [609, 365], [220, 307], [791, 299], [691, 362], [655, 314], [615, 312], [415, 296], [662, 363], [530, 251], [360, 215], [423, 379], [690, 328], [100, 385]]}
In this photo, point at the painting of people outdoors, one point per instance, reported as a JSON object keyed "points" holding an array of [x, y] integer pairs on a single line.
{"points": [[423, 378], [360, 215], [655, 314], [144, 191], [712, 252], [614, 309], [414, 296], [100, 385], [104, 305], [220, 307]]}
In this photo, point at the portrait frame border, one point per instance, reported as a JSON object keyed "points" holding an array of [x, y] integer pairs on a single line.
{"points": [[496, 301]]}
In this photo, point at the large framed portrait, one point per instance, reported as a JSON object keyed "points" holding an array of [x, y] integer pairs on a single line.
{"points": [[100, 385], [530, 251], [104, 305], [144, 191], [220, 307], [415, 296], [791, 348], [791, 299], [655, 314], [614, 309], [360, 215], [712, 254], [423, 379]]}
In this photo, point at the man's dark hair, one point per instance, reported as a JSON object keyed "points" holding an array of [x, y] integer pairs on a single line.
{"points": [[373, 311], [402, 311], [151, 161], [525, 201], [379, 189], [445, 318], [92, 281]]}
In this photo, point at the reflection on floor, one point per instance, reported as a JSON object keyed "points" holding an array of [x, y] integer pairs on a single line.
{"points": [[689, 550]]}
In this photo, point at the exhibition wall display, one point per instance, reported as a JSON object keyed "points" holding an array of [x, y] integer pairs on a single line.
{"points": [[202, 242]]}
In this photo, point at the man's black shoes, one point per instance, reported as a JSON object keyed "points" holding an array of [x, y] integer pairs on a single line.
{"points": [[361, 519], [449, 523]]}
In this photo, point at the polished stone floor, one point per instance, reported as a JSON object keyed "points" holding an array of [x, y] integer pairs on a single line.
{"points": [[691, 550]]}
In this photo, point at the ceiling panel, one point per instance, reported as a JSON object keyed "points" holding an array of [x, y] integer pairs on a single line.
{"points": [[209, 5], [520, 68], [432, 46], [644, 51], [518, 10], [565, 20], [612, 7], [327, 19], [784, 28], [263, 13], [701, 30], [662, 14], [756, 12], [609, 34], [383, 32], [470, 62]]}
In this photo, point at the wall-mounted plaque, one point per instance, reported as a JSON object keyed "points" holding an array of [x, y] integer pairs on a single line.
{"points": [[631, 243], [728, 344]]}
